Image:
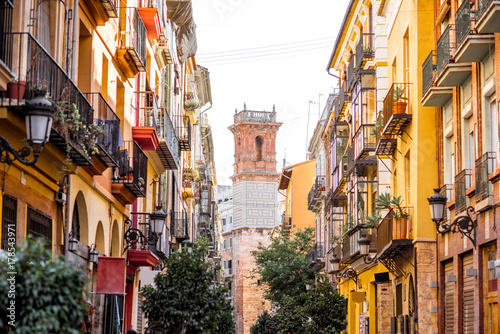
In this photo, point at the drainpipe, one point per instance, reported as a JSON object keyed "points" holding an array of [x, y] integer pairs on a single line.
{"points": [[68, 220], [75, 29]]}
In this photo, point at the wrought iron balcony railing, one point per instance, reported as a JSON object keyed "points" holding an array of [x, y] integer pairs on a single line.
{"points": [[484, 166], [6, 43], [350, 75], [397, 109], [184, 133], [316, 255], [133, 168], [483, 6], [317, 189], [463, 181], [428, 70], [463, 22], [364, 49], [133, 36], [364, 142], [179, 225], [105, 117], [445, 48], [34, 66]]}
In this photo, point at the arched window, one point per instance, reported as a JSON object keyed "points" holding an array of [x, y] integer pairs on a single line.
{"points": [[258, 147]]}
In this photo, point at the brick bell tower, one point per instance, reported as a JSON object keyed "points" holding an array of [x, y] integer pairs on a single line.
{"points": [[255, 203]]}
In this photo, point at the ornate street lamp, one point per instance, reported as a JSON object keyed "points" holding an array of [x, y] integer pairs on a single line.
{"points": [[466, 225], [364, 250], [335, 261], [39, 113], [157, 221]]}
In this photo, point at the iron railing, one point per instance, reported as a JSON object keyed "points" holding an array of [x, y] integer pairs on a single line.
{"points": [[350, 246], [391, 229], [6, 45], [255, 116], [316, 252], [447, 191], [350, 74], [364, 142], [396, 101], [463, 181], [316, 189], [364, 49], [445, 48], [133, 36], [169, 134], [462, 22], [179, 225], [184, 133], [483, 6], [149, 112], [106, 118], [484, 166], [133, 168], [428, 69]]}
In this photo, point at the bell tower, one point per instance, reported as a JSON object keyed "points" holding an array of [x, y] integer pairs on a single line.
{"points": [[255, 203]]}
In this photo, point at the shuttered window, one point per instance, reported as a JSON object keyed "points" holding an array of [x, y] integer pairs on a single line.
{"points": [[139, 313], [9, 218], [449, 295], [40, 226], [467, 296]]}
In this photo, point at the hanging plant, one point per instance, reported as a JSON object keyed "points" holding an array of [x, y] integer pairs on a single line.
{"points": [[191, 104]]}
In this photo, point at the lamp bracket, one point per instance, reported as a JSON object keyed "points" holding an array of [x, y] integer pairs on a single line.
{"points": [[367, 259], [8, 154], [349, 273], [465, 225], [136, 239]]}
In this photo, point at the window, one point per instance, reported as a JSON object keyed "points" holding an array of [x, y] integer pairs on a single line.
{"points": [[490, 289], [407, 178], [258, 147], [224, 244], [229, 286], [39, 226], [406, 55], [230, 242], [494, 130], [230, 267], [9, 219], [223, 221], [230, 220]]}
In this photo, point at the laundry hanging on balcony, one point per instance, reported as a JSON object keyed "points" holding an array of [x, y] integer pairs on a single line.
{"points": [[181, 15]]}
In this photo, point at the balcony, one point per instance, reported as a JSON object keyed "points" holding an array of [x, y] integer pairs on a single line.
{"points": [[364, 50], [335, 200], [350, 74], [484, 189], [102, 10], [187, 183], [316, 194], [447, 191], [342, 101], [131, 52], [397, 111], [109, 142], [449, 73], [386, 145], [168, 146], [6, 46], [433, 96], [179, 225], [489, 16], [184, 133], [340, 175], [471, 47], [130, 180], [146, 128], [34, 66], [364, 142], [463, 181], [148, 10], [139, 252], [350, 250], [393, 238], [316, 257]]}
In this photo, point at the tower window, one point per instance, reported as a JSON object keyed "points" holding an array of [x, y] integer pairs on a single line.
{"points": [[258, 147]]}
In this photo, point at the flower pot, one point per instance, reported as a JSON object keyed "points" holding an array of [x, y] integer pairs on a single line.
{"points": [[399, 107], [399, 228], [16, 90]]}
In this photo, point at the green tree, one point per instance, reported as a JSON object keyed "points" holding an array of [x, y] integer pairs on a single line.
{"points": [[48, 292], [282, 266], [186, 299]]}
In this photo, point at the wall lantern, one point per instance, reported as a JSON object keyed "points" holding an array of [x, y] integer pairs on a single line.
{"points": [[364, 250], [157, 221], [72, 244], [335, 261], [93, 254], [39, 113], [187, 243], [466, 225]]}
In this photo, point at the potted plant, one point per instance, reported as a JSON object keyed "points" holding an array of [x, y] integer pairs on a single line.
{"points": [[16, 89], [398, 102], [367, 51], [379, 124], [400, 215], [191, 104]]}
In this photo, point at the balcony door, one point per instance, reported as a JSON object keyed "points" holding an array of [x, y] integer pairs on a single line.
{"points": [[490, 289]]}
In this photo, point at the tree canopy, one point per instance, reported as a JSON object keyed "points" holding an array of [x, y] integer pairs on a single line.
{"points": [[186, 298], [283, 269], [47, 293]]}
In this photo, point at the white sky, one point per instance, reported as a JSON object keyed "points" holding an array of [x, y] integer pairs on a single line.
{"points": [[294, 75]]}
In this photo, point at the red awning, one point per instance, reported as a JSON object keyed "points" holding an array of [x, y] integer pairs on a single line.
{"points": [[111, 275]]}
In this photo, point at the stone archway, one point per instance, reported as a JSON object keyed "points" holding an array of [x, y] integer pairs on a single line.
{"points": [[80, 219], [115, 249], [100, 244]]}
